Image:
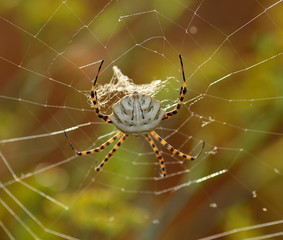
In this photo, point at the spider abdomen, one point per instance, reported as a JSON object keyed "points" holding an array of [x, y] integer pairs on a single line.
{"points": [[137, 114]]}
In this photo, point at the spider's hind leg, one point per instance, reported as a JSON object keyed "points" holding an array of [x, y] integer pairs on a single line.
{"points": [[158, 155], [175, 151], [110, 154], [98, 149]]}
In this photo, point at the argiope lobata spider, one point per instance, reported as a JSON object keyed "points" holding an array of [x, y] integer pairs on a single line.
{"points": [[137, 114]]}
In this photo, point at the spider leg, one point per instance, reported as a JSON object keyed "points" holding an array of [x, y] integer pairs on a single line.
{"points": [[93, 95], [158, 155], [183, 92], [111, 152], [173, 150], [98, 149]]}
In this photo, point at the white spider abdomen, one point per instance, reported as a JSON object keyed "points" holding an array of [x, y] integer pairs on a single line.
{"points": [[137, 114]]}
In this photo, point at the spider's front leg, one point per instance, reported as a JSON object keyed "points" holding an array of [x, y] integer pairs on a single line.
{"points": [[93, 95], [183, 92]]}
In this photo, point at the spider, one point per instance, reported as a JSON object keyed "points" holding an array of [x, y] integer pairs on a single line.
{"points": [[137, 114]]}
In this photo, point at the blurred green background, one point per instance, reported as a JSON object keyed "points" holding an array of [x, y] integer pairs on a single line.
{"points": [[44, 90]]}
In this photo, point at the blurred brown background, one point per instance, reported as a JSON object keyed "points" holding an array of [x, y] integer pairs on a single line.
{"points": [[44, 89]]}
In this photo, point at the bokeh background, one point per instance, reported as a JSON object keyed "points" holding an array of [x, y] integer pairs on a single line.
{"points": [[232, 53]]}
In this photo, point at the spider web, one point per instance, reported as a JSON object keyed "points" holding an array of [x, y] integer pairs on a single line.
{"points": [[49, 55]]}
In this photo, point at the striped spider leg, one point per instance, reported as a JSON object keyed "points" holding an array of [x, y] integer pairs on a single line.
{"points": [[93, 95], [98, 149], [111, 152], [175, 151], [170, 148], [183, 92], [158, 155]]}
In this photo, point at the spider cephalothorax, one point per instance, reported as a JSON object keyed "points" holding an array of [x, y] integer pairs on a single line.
{"points": [[137, 114]]}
